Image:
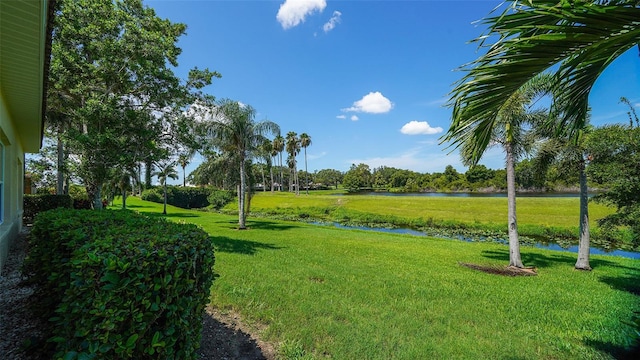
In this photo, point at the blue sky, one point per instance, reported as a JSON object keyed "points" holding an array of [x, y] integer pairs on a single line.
{"points": [[367, 80]]}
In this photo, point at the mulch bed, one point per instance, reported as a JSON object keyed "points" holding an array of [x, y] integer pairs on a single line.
{"points": [[502, 270]]}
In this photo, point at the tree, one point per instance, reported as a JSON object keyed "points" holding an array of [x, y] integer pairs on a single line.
{"points": [[278, 146], [357, 178], [578, 39], [508, 130], [233, 130], [183, 160], [166, 169], [329, 177], [293, 149], [110, 70], [305, 141], [570, 153], [615, 153]]}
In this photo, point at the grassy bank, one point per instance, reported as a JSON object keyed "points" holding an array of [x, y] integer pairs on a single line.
{"points": [[322, 292], [552, 219]]}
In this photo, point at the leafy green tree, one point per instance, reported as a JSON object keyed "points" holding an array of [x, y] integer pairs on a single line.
{"points": [[357, 178], [233, 130], [166, 170], [615, 159], [329, 177], [478, 175], [111, 67], [305, 142], [578, 39]]}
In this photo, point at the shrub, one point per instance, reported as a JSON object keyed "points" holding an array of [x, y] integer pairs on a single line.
{"points": [[34, 204], [123, 285], [153, 194], [219, 198]]}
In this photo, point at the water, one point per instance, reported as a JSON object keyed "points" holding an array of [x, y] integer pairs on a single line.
{"points": [[471, 194], [573, 248]]}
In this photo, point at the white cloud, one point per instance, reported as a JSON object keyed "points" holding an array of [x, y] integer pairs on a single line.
{"points": [[335, 20], [372, 103], [294, 12], [341, 116], [354, 118], [419, 128]]}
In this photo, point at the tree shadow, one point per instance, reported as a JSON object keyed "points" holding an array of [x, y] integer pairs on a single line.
{"points": [[238, 246], [542, 261], [224, 341], [629, 283], [616, 351]]}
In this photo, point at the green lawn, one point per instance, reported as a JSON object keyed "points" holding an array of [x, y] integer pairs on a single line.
{"points": [[348, 294]]}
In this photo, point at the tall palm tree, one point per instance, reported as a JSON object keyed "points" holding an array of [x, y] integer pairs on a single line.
{"points": [[509, 130], [578, 39], [166, 169], [266, 149], [305, 141], [293, 149], [183, 160], [274, 152], [278, 145], [569, 152], [234, 130]]}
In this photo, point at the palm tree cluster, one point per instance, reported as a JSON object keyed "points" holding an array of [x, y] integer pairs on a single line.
{"points": [[576, 40]]}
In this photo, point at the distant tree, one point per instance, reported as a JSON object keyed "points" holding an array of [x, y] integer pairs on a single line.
{"points": [[305, 142], [232, 129], [183, 161], [293, 149], [278, 146], [358, 177], [166, 169], [329, 177], [479, 174]]}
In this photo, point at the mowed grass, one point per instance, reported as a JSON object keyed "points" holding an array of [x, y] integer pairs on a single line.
{"points": [[539, 211], [349, 294]]}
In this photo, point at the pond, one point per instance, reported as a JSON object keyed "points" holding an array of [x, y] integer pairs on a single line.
{"points": [[573, 248]]}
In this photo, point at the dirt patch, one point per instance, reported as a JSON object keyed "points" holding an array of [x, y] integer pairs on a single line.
{"points": [[502, 270]]}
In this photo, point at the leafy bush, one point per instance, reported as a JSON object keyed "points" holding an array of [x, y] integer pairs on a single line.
{"points": [[182, 197], [219, 198], [120, 285], [34, 204]]}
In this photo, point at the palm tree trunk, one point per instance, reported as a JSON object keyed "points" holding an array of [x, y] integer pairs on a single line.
{"points": [[164, 208], [281, 173], [583, 247], [271, 174], [124, 198], [514, 243], [264, 185], [184, 177], [306, 172], [241, 195]]}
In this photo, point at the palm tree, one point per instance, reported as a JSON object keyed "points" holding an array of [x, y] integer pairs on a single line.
{"points": [[165, 170], [233, 130], [577, 38], [569, 152], [274, 152], [305, 141], [183, 160], [278, 145], [508, 130], [293, 149], [265, 150]]}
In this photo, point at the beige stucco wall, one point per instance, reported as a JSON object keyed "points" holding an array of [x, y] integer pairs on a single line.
{"points": [[13, 169]]}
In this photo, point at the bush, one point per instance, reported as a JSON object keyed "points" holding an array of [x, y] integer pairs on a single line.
{"points": [[185, 197], [34, 204], [219, 198], [121, 285]]}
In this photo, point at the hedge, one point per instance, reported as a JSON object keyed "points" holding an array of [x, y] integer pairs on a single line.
{"points": [[188, 197], [34, 204], [120, 285]]}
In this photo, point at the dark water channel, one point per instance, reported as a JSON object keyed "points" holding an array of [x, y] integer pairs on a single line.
{"points": [[573, 248]]}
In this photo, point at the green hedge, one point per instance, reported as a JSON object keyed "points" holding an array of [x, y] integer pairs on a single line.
{"points": [[120, 285], [34, 204], [188, 197]]}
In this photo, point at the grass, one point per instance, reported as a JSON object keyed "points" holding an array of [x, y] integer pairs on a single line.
{"points": [[322, 292]]}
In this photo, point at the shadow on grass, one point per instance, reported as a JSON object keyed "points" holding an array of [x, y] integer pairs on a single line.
{"points": [[616, 351], [630, 283], [542, 261], [237, 246]]}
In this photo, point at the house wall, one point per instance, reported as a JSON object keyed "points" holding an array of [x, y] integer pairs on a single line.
{"points": [[12, 178]]}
